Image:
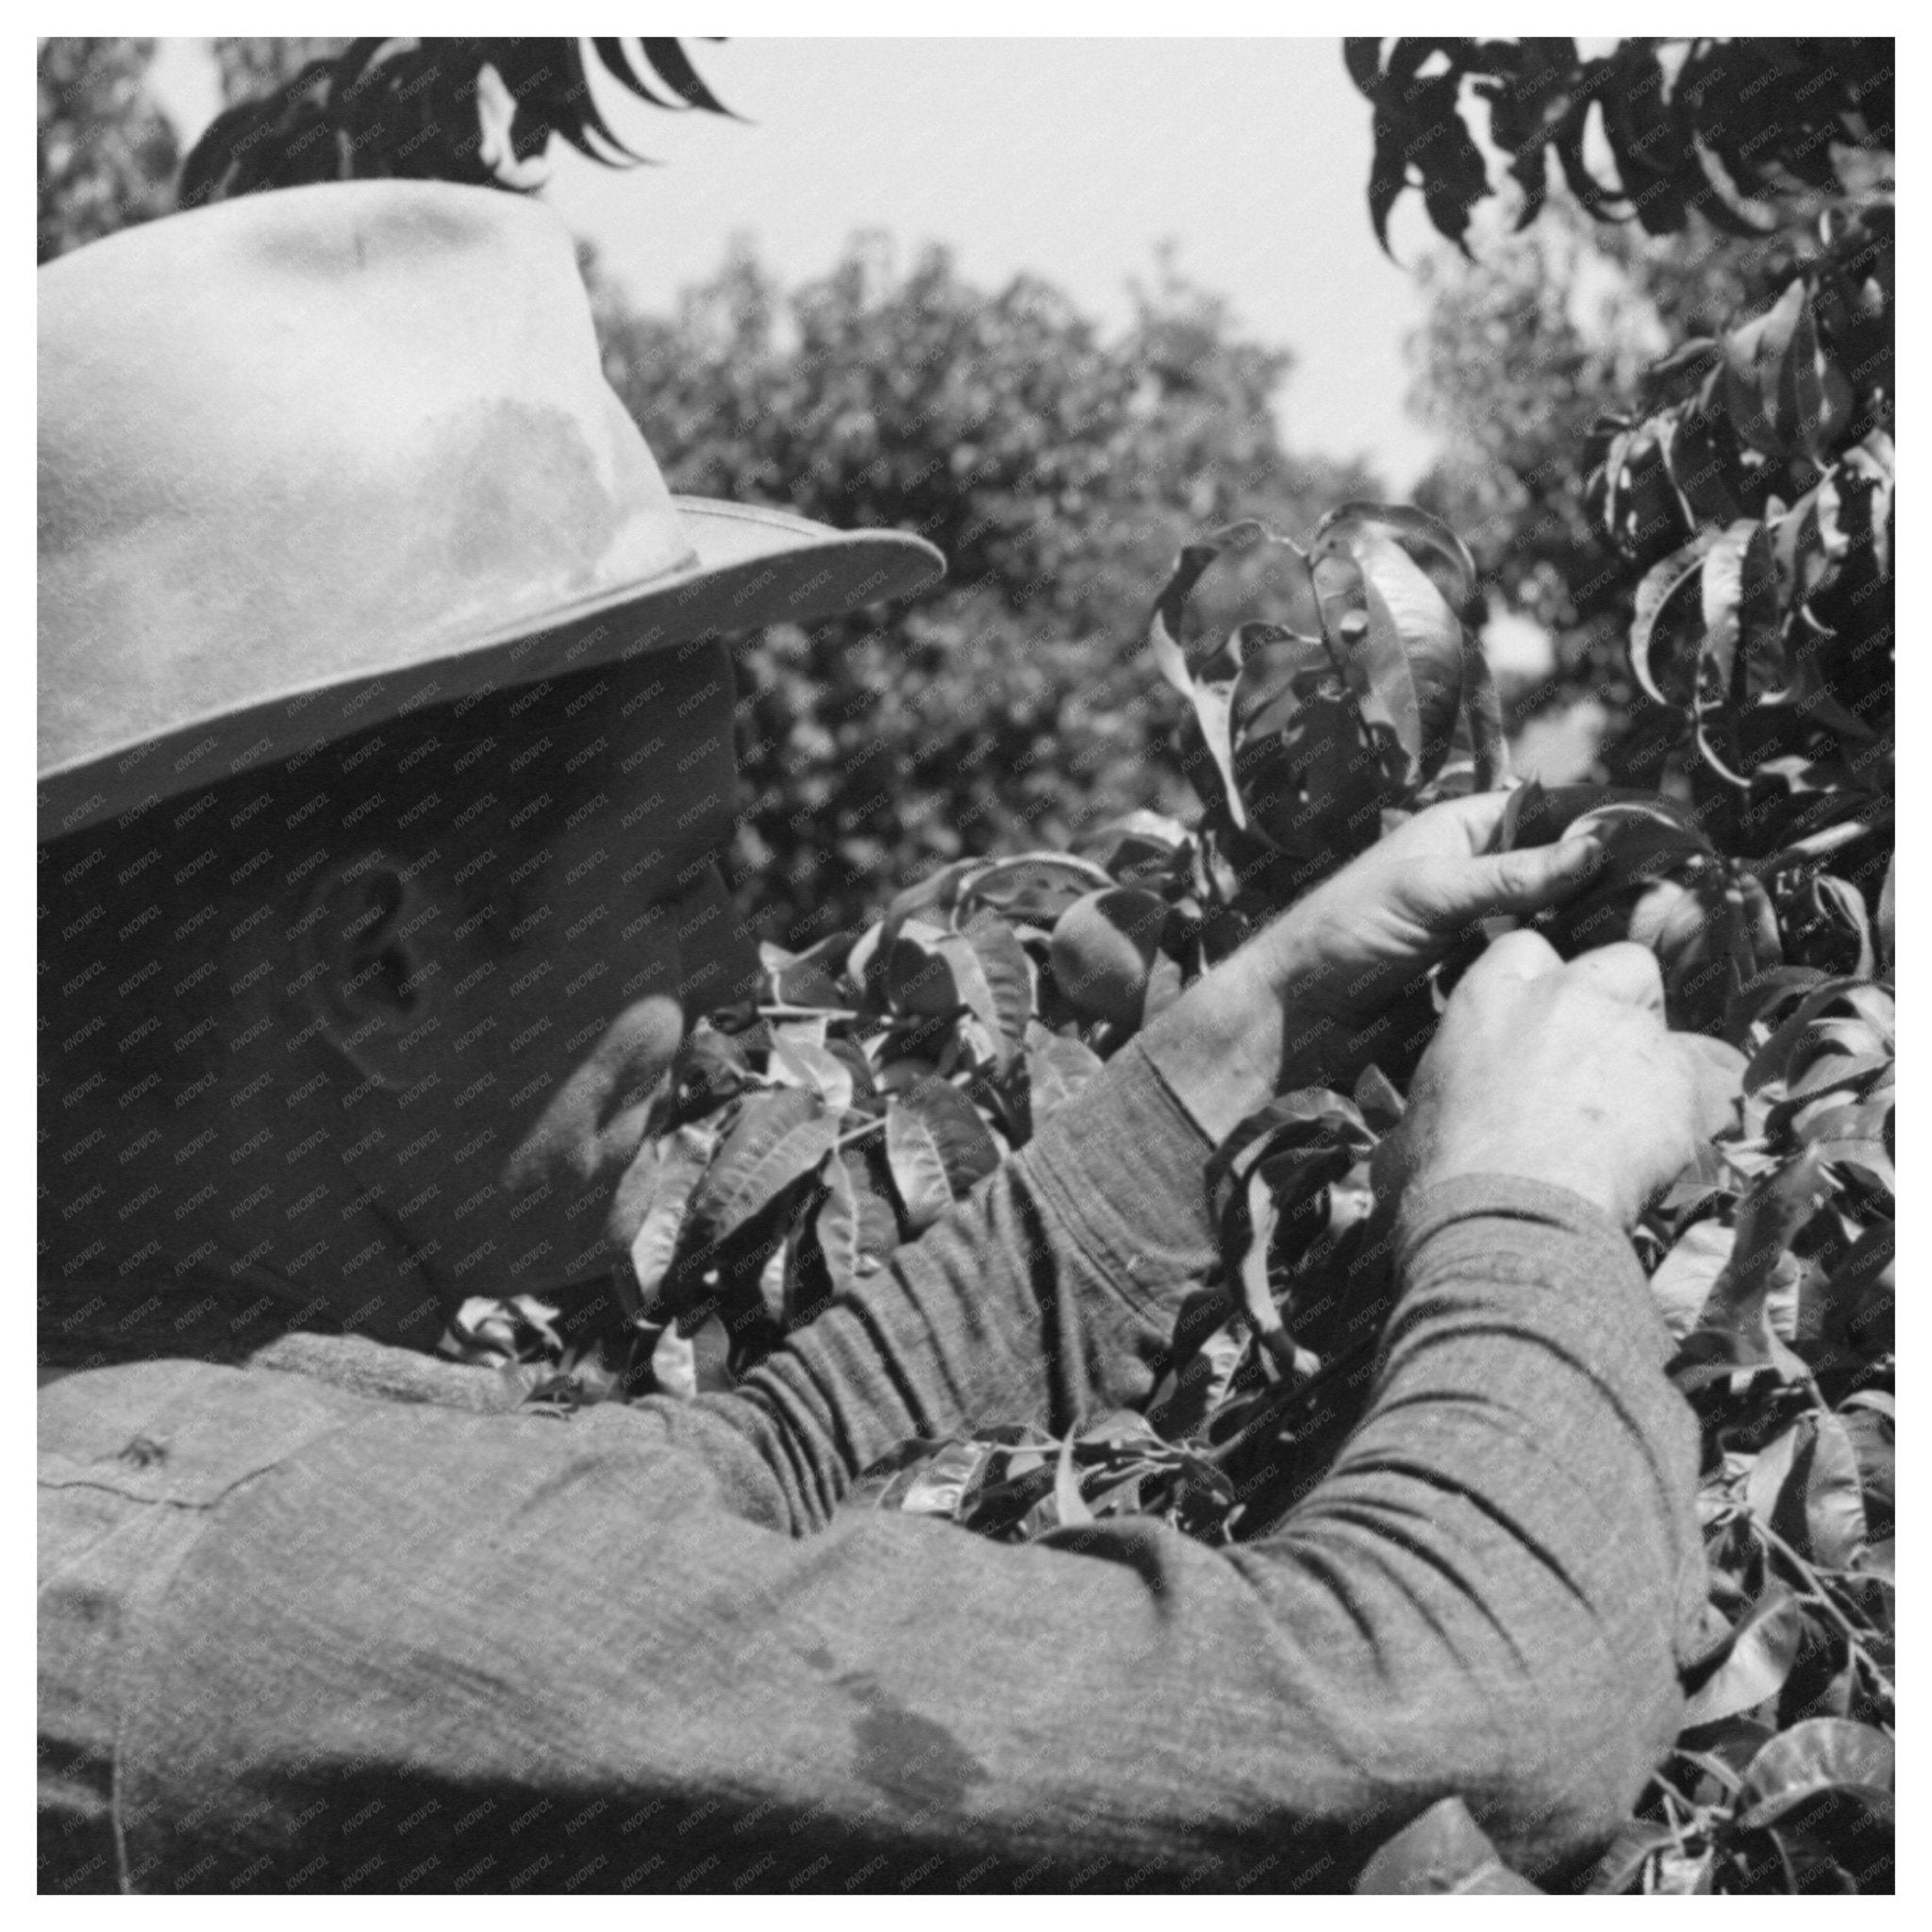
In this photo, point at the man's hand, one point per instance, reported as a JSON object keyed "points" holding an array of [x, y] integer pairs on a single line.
{"points": [[1364, 937], [1292, 1007], [1565, 1075]]}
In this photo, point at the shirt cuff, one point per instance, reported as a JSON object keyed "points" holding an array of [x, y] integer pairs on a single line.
{"points": [[1596, 1261]]}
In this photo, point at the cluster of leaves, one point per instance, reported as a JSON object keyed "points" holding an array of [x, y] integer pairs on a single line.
{"points": [[416, 108], [1314, 737], [1681, 122], [1542, 333], [1755, 490]]}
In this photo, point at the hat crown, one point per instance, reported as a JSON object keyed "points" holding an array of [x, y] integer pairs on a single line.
{"points": [[318, 436]]}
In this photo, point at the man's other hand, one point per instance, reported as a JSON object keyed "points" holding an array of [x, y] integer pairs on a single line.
{"points": [[1562, 1073], [1300, 1004]]}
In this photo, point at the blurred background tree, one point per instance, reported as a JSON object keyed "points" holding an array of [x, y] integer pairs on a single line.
{"points": [[108, 154]]}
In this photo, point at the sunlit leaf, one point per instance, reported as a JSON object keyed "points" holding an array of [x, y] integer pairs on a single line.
{"points": [[1819, 1754], [1762, 1651], [652, 1200], [918, 1171], [966, 1146], [779, 1138], [1442, 1851]]}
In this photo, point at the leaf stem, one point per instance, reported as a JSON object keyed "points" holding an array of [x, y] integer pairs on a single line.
{"points": [[858, 1134]]}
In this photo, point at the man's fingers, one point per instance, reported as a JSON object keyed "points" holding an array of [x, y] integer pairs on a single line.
{"points": [[1621, 972], [1524, 956], [1524, 880]]}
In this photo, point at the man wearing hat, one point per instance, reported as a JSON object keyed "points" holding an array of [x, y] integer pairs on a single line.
{"points": [[386, 762]]}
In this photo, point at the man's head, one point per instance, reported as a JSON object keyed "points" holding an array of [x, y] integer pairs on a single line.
{"points": [[405, 995], [336, 505]]}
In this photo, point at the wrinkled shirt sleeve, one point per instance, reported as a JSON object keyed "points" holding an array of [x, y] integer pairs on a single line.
{"points": [[643, 1648]]}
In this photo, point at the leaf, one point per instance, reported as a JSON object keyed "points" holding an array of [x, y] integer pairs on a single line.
{"points": [[966, 1146], [1371, 639], [654, 1196], [854, 1228], [918, 1173], [1814, 397], [1804, 1486], [921, 971], [1251, 1268], [1057, 1070], [1833, 1499], [773, 1277], [675, 1364], [838, 1230], [1213, 703], [1754, 385], [1427, 539], [1007, 974], [669, 58], [1741, 616], [779, 1139], [1872, 1431], [1685, 1874], [1665, 585], [1733, 1321], [798, 981], [941, 1485], [1442, 1851], [1364, 59], [1636, 1841], [1762, 1651], [1818, 1755], [1068, 1505], [611, 51], [1687, 1275]]}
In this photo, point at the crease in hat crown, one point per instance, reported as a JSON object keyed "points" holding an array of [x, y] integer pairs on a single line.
{"points": [[314, 458]]}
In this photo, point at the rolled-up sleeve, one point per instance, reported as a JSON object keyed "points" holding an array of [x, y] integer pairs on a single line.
{"points": [[643, 1649]]}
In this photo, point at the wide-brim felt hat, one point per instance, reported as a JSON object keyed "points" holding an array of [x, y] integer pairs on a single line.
{"points": [[314, 459]]}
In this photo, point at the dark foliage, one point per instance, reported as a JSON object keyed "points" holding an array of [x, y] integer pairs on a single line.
{"points": [[1703, 127], [420, 109]]}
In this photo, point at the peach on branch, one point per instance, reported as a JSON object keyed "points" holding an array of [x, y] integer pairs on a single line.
{"points": [[1103, 953]]}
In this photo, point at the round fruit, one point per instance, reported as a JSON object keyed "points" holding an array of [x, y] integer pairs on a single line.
{"points": [[1663, 886], [1102, 952]]}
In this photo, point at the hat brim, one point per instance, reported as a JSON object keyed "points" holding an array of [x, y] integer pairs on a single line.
{"points": [[752, 567]]}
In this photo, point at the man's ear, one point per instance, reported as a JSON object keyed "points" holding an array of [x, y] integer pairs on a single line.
{"points": [[367, 974]]}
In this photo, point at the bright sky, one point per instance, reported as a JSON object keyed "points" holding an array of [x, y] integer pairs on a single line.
{"points": [[1069, 158]]}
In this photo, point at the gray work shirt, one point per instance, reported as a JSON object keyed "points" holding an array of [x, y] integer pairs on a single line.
{"points": [[299, 1636]]}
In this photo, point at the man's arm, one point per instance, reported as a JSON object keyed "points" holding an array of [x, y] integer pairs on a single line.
{"points": [[435, 1650], [425, 1649]]}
